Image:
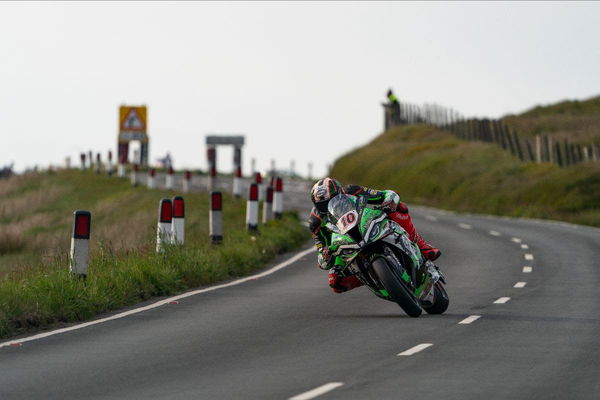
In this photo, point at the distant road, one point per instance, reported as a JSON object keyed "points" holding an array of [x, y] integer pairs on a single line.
{"points": [[523, 323]]}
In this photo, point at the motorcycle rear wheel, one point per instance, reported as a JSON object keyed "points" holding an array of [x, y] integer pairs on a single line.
{"points": [[396, 288], [440, 300]]}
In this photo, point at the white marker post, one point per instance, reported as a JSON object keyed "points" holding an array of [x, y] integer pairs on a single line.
{"points": [[215, 217], [268, 205], [151, 175], [237, 182], [178, 226], [187, 177], [163, 231], [82, 158], [278, 198], [80, 246], [169, 181], [134, 171], [121, 167], [252, 208]]}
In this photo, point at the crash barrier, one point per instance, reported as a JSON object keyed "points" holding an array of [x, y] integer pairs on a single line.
{"points": [[178, 224], [165, 218], [252, 208], [169, 179], [151, 178], [215, 217], [80, 247]]}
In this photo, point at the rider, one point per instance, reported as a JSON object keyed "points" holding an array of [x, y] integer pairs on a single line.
{"points": [[386, 200]]}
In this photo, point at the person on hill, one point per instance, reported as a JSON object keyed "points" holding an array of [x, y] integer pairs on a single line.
{"points": [[386, 200], [395, 107]]}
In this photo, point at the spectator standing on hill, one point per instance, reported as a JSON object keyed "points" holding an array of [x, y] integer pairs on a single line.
{"points": [[395, 107]]}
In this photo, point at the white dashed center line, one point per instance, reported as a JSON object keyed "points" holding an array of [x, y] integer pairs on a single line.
{"points": [[311, 394], [416, 349], [528, 257], [502, 300], [465, 226], [520, 285], [495, 233], [524, 246], [516, 240], [470, 319], [527, 269]]}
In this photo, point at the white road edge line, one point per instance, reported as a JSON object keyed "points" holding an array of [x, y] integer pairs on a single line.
{"points": [[502, 300], [416, 349], [524, 246], [470, 319], [516, 240], [495, 233], [465, 226], [161, 302], [311, 394], [520, 285], [528, 257], [527, 269]]}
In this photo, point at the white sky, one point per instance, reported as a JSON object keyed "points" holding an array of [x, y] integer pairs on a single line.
{"points": [[302, 81]]}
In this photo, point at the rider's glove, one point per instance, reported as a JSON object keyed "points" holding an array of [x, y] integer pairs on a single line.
{"points": [[325, 257]]}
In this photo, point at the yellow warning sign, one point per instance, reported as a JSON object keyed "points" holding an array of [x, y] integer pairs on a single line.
{"points": [[133, 123]]}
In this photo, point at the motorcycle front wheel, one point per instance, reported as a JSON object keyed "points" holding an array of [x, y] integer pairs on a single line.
{"points": [[396, 289], [440, 300]]}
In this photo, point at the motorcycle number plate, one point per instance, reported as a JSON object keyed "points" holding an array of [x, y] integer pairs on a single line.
{"points": [[347, 221]]}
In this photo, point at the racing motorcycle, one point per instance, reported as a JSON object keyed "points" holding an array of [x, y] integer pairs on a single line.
{"points": [[366, 243]]}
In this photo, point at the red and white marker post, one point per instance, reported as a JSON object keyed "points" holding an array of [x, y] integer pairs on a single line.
{"points": [[169, 179], [163, 230], [187, 178], [121, 167], [109, 166], [237, 182], [82, 158], [98, 163], [258, 180], [134, 171], [80, 247], [216, 217], [178, 225], [151, 178], [278, 198], [268, 205], [252, 208], [212, 167]]}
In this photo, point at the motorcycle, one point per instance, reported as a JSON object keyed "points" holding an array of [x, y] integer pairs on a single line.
{"points": [[366, 243]]}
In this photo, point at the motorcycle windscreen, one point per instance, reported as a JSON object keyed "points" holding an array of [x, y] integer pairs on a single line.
{"points": [[343, 212]]}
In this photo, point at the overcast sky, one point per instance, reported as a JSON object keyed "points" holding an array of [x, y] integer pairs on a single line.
{"points": [[302, 81]]}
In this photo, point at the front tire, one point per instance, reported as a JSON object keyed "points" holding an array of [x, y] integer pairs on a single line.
{"points": [[440, 300], [396, 288]]}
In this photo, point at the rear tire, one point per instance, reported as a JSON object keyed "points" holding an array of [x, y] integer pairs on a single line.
{"points": [[396, 288], [440, 300]]}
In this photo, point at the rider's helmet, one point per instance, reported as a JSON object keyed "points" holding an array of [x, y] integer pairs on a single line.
{"points": [[323, 191]]}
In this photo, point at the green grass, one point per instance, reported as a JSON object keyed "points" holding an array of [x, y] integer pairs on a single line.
{"points": [[575, 120], [430, 167], [36, 289]]}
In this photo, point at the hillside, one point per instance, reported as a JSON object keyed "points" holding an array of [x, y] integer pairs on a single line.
{"points": [[434, 168], [578, 121]]}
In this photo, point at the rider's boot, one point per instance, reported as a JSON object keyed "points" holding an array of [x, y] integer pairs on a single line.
{"points": [[402, 217], [342, 284]]}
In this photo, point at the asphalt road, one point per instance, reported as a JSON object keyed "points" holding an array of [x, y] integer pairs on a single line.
{"points": [[285, 334]]}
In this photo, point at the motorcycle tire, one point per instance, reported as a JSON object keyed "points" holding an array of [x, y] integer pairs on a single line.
{"points": [[396, 288], [440, 300]]}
